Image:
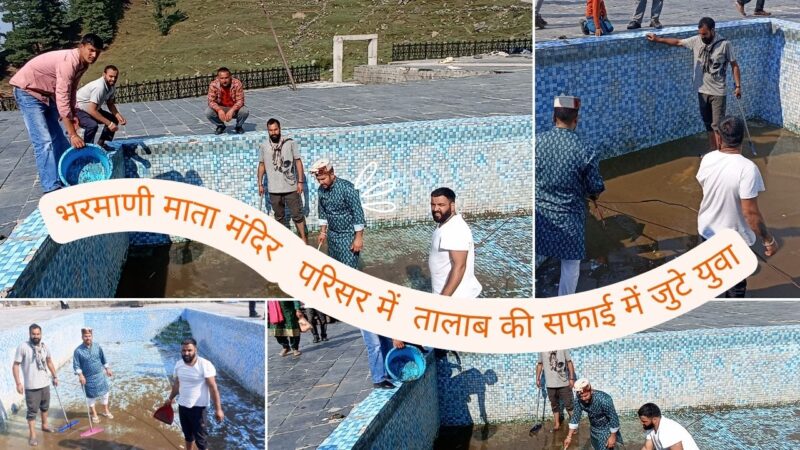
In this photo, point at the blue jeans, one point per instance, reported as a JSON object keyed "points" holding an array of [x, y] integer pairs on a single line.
{"points": [[377, 349], [48, 138]]}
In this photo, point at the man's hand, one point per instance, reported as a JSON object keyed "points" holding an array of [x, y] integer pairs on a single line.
{"points": [[55, 381], [109, 372], [300, 188], [261, 189], [229, 115], [299, 314], [321, 237], [221, 115], [121, 119], [358, 244], [398, 343], [82, 379], [612, 440], [567, 441], [598, 32], [76, 141], [738, 92], [169, 402], [112, 127], [571, 383], [219, 415], [651, 37], [20, 388]]}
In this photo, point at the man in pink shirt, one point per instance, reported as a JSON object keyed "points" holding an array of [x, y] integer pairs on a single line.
{"points": [[45, 90]]}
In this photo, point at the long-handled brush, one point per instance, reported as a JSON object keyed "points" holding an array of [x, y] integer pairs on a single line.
{"points": [[92, 430], [67, 424], [746, 128], [538, 426]]}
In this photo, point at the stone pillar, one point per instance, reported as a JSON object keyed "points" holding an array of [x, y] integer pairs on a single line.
{"points": [[338, 56], [372, 52], [338, 52]]}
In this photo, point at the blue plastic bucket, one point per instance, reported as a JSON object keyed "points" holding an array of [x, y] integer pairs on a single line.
{"points": [[84, 165], [405, 364]]}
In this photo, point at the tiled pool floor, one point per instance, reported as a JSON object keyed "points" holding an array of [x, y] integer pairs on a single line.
{"points": [[641, 236], [733, 429], [399, 255], [140, 385]]}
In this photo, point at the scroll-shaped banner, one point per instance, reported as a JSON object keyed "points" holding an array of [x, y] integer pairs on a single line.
{"points": [[476, 325]]}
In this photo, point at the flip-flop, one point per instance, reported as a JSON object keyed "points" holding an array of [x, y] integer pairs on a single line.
{"points": [[96, 419], [109, 415], [33, 442]]}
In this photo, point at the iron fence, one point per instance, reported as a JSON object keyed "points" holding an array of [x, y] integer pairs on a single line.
{"points": [[438, 50], [183, 87]]}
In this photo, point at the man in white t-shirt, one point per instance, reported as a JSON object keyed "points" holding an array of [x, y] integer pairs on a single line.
{"points": [[663, 433], [731, 184], [452, 257], [90, 100], [33, 359], [195, 385]]}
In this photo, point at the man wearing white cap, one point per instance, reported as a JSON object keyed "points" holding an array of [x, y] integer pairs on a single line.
{"points": [[603, 418], [663, 433], [342, 222], [567, 173]]}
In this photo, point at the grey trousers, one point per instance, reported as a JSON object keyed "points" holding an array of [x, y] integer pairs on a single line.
{"points": [[240, 116], [655, 10]]}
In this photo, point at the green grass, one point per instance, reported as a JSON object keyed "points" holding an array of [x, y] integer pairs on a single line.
{"points": [[235, 33]]}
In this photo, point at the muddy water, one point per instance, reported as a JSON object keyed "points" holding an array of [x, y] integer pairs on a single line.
{"points": [[635, 236], [140, 385], [398, 255], [742, 428]]}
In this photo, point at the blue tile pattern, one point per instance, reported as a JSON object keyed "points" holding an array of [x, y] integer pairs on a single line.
{"points": [[486, 161], [636, 94], [392, 419], [235, 345], [682, 369]]}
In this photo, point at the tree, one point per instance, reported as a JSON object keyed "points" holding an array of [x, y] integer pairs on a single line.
{"points": [[166, 21], [39, 26], [97, 16]]}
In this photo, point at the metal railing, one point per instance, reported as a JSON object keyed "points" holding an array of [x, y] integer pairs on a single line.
{"points": [[438, 50], [183, 87]]}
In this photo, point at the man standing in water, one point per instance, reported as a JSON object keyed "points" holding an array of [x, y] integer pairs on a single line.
{"points": [[89, 363], [663, 433], [342, 223], [34, 359], [731, 184], [567, 173], [603, 418], [452, 256], [195, 384], [712, 54]]}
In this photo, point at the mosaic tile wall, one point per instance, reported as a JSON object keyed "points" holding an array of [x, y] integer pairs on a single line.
{"points": [[487, 162], [235, 345], [720, 367], [636, 94], [405, 418], [32, 265]]}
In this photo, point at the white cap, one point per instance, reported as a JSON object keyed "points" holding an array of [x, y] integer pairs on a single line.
{"points": [[566, 101], [322, 165], [581, 384]]}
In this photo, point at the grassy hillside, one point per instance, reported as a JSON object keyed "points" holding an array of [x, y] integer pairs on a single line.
{"points": [[235, 34]]}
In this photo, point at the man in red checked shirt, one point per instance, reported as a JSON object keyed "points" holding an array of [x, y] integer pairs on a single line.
{"points": [[226, 101]]}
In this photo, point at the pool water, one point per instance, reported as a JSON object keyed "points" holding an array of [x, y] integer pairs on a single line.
{"points": [[85, 170], [397, 254], [774, 428], [649, 214], [139, 386]]}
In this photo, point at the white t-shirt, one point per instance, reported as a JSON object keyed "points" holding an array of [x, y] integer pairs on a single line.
{"points": [[193, 389], [726, 179], [670, 433], [96, 92], [453, 235]]}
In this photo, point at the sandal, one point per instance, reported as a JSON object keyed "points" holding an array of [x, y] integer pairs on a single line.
{"points": [[33, 442], [95, 419], [108, 414]]}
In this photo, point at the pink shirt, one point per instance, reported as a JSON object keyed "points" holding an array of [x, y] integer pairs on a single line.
{"points": [[51, 74]]}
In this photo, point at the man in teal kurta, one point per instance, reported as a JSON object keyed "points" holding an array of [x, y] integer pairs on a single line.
{"points": [[567, 173], [603, 418], [89, 363]]}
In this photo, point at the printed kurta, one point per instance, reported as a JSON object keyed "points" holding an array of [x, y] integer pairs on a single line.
{"points": [[290, 326], [567, 172], [90, 361], [602, 418], [340, 208]]}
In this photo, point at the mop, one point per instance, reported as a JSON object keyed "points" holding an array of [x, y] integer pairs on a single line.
{"points": [[92, 430], [746, 128], [67, 424]]}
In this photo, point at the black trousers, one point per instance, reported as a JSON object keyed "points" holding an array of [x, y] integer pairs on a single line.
{"points": [[90, 126], [318, 318], [193, 425], [292, 342]]}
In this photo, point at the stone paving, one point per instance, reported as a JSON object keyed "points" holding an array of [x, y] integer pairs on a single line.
{"points": [[563, 16], [312, 105], [304, 392]]}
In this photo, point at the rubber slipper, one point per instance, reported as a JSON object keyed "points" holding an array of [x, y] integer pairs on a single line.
{"points": [[33, 442], [109, 415], [96, 419]]}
